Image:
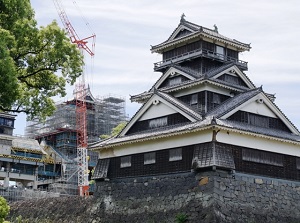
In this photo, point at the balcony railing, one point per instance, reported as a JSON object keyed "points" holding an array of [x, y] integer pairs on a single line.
{"points": [[200, 52]]}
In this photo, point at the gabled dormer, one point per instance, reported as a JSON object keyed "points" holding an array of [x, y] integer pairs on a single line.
{"points": [[160, 111], [233, 76], [175, 75], [180, 81], [254, 108]]}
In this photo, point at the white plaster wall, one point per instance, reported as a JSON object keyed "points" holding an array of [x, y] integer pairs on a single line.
{"points": [[156, 111], [257, 108], [258, 143], [158, 144]]}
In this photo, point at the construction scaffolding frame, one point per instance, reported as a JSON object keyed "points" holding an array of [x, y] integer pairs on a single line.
{"points": [[59, 132]]}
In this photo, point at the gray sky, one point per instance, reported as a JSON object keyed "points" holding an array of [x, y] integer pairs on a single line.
{"points": [[123, 63]]}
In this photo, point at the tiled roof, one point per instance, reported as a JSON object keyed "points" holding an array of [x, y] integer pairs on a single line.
{"points": [[211, 73], [186, 70], [225, 83], [233, 103], [199, 79], [205, 32], [218, 70], [259, 130], [143, 136], [180, 105], [195, 126], [188, 84], [213, 154], [175, 102]]}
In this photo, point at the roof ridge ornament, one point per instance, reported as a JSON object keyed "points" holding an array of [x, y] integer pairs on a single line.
{"points": [[216, 28], [182, 19]]}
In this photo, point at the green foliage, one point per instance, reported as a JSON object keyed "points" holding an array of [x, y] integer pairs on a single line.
{"points": [[115, 131], [35, 63], [181, 218], [4, 209]]}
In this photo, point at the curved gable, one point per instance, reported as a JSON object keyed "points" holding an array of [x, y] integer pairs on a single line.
{"points": [[173, 76]]}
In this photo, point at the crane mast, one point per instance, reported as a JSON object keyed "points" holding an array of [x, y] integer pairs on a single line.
{"points": [[80, 98]]}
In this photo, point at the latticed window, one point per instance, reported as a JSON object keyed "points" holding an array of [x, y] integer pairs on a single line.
{"points": [[149, 158], [125, 161], [175, 154], [258, 120], [174, 81], [158, 122], [262, 157]]}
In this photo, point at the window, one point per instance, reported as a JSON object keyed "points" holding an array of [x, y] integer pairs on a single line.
{"points": [[6, 122], [149, 158], [194, 99], [158, 122], [175, 154], [174, 81], [125, 161], [220, 52], [262, 157], [259, 120]]}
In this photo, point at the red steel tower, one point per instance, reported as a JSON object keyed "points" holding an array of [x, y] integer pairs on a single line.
{"points": [[80, 96]]}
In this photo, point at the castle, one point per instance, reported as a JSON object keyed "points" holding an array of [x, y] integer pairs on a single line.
{"points": [[205, 138]]}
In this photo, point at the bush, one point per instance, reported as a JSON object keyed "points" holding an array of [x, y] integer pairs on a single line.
{"points": [[4, 209]]}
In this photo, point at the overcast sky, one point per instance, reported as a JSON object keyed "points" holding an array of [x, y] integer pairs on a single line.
{"points": [[123, 63]]}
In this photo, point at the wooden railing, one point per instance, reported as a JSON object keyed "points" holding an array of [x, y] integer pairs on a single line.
{"points": [[199, 52]]}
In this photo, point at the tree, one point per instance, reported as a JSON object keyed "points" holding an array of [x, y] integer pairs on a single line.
{"points": [[4, 209], [115, 131], [35, 63]]}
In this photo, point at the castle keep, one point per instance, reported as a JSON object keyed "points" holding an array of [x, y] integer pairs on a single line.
{"points": [[206, 141]]}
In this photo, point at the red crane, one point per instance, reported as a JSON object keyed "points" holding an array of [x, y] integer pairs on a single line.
{"points": [[80, 97]]}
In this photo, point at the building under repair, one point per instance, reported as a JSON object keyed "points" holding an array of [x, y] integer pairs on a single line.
{"points": [[52, 163]]}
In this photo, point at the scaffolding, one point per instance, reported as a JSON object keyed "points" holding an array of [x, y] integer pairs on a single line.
{"points": [[59, 132]]}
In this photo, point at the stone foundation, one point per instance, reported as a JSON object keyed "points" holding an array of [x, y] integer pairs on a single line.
{"points": [[211, 196]]}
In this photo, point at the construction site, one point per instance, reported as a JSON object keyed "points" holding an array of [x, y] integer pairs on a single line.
{"points": [[45, 162], [58, 137]]}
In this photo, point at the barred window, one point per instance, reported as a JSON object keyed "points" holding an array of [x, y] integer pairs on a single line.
{"points": [[125, 161], [262, 157], [158, 122], [259, 120], [174, 81], [175, 154], [149, 158]]}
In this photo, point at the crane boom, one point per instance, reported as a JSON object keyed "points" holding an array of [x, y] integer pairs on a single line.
{"points": [[80, 97], [81, 43]]}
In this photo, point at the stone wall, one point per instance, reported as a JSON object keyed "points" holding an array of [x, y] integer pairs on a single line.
{"points": [[211, 196], [155, 199]]}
